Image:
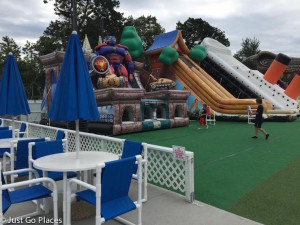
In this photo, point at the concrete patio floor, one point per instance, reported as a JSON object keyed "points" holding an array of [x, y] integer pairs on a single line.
{"points": [[162, 208]]}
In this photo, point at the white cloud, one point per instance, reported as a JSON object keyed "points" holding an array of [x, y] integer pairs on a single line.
{"points": [[25, 20], [274, 22]]}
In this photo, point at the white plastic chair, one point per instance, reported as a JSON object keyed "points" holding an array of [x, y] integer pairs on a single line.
{"points": [[23, 131], [210, 116], [133, 148], [34, 190], [251, 118], [110, 194]]}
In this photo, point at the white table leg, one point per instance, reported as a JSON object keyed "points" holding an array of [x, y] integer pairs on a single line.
{"points": [[65, 198], [69, 190], [45, 200]]}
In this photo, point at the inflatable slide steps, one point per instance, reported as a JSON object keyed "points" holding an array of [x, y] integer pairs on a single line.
{"points": [[231, 85]]}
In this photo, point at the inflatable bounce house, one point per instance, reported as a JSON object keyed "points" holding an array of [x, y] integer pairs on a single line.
{"points": [[123, 102], [215, 77], [130, 99]]}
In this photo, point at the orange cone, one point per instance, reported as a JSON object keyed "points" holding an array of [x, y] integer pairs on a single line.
{"points": [[293, 90], [277, 68]]}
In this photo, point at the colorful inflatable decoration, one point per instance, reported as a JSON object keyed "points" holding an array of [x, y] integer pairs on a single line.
{"points": [[100, 65], [162, 84], [131, 39], [198, 53], [118, 56], [111, 80], [168, 56]]}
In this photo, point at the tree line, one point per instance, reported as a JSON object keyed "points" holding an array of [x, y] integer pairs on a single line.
{"points": [[97, 18]]}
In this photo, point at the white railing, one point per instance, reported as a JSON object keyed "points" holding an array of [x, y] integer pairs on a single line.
{"points": [[163, 169]]}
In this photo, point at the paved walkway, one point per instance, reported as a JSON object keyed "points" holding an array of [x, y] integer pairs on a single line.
{"points": [[162, 208]]}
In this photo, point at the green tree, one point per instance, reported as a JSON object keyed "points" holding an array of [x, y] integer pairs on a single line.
{"points": [[8, 45], [249, 47], [32, 71], [146, 27], [94, 18], [46, 45], [195, 30], [56, 35], [30, 68]]}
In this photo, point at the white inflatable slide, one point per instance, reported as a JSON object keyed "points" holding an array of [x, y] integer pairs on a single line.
{"points": [[251, 79]]}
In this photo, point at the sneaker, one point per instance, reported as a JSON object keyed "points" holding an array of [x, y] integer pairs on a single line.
{"points": [[267, 136], [254, 137], [199, 128]]}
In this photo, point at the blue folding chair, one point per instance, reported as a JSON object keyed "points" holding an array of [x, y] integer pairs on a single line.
{"points": [[4, 128], [5, 134], [133, 148], [60, 135], [41, 149], [26, 191], [21, 159], [110, 195], [22, 131]]}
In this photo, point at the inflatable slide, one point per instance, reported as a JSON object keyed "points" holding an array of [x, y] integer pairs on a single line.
{"points": [[249, 83], [202, 85], [206, 89]]}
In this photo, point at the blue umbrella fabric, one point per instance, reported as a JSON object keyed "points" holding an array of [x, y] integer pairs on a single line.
{"points": [[13, 99], [74, 97]]}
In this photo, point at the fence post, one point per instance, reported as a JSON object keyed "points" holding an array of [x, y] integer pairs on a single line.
{"points": [[42, 132], [189, 177], [103, 145]]}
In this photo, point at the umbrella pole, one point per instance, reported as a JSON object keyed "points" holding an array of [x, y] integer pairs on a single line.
{"points": [[13, 127], [77, 143]]}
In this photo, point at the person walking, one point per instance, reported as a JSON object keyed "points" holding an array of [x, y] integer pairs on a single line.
{"points": [[259, 119]]}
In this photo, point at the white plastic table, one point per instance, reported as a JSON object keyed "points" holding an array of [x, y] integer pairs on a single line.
{"points": [[67, 162]]}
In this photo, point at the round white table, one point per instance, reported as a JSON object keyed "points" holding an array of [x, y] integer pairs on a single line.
{"points": [[67, 162]]}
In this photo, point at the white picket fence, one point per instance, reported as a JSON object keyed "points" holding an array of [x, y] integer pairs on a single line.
{"points": [[163, 170]]}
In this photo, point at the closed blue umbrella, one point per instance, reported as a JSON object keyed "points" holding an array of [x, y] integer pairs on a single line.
{"points": [[74, 96], [13, 99]]}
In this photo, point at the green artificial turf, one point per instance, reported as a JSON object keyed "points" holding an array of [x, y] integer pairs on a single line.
{"points": [[229, 165], [276, 201]]}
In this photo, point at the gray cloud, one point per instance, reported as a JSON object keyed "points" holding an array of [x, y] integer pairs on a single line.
{"points": [[274, 23], [276, 33], [24, 20]]}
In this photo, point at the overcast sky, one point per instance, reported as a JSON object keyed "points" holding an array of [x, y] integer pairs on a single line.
{"points": [[275, 23]]}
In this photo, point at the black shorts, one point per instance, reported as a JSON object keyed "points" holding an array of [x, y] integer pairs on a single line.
{"points": [[258, 123]]}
